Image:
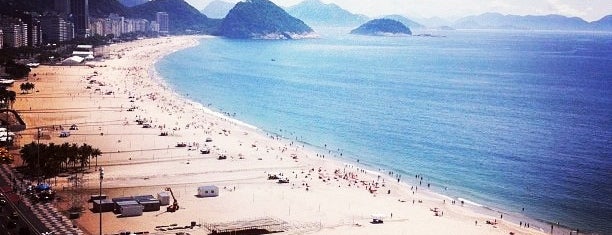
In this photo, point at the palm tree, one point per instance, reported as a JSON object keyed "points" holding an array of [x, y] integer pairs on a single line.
{"points": [[84, 154], [28, 155], [73, 154], [30, 86], [7, 97], [64, 151], [96, 153], [22, 87]]}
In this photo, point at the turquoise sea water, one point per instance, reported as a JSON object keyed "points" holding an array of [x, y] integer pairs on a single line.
{"points": [[510, 120]]}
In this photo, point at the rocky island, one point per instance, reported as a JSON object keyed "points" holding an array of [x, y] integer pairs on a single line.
{"points": [[382, 27], [262, 19]]}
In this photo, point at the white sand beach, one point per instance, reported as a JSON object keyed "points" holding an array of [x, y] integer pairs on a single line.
{"points": [[323, 196]]}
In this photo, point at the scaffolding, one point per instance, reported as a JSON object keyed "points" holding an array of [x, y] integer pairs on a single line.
{"points": [[265, 225], [76, 189]]}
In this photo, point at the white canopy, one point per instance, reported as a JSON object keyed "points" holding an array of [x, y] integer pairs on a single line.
{"points": [[73, 60]]}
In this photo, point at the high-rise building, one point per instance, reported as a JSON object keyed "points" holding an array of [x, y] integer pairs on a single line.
{"points": [[163, 20], [1, 40], [55, 29], [79, 9], [117, 25], [15, 32], [34, 34]]}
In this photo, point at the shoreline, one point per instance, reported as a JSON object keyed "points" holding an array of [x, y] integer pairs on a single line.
{"points": [[344, 160], [476, 207], [332, 163]]}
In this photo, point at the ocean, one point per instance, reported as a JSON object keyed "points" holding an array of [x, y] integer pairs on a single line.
{"points": [[505, 119]]}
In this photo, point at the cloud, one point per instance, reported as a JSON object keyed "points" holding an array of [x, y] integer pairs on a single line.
{"points": [[565, 9]]}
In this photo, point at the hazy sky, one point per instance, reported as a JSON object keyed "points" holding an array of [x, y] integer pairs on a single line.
{"points": [[589, 10]]}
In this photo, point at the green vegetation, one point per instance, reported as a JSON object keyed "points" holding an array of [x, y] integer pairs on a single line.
{"points": [[7, 98], [102, 8], [49, 160], [16, 70], [257, 18], [381, 27], [25, 87], [9, 7], [183, 17]]}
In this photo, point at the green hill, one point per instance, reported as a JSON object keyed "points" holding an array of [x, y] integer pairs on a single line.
{"points": [[262, 19], [182, 16], [382, 27]]}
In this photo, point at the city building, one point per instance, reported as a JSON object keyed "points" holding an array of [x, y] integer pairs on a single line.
{"points": [[34, 34], [117, 25], [154, 26], [56, 29], [163, 20], [15, 32], [1, 40], [79, 10]]}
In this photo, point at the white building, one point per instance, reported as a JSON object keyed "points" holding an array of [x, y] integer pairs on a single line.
{"points": [[208, 191], [164, 22]]}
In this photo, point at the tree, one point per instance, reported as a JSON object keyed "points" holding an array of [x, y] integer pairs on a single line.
{"points": [[16, 70], [55, 159], [24, 87], [84, 154], [96, 153], [7, 97]]}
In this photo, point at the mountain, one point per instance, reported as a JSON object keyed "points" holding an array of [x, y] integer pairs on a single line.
{"points": [[217, 9], [499, 21], [262, 19], [182, 16], [9, 7], [604, 23], [409, 23], [102, 8], [382, 27], [97, 8], [131, 3], [314, 12]]}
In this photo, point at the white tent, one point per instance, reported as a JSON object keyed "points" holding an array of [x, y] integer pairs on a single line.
{"points": [[84, 47], [83, 54], [73, 60], [208, 191]]}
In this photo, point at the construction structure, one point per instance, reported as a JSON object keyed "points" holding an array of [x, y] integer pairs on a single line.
{"points": [[175, 206], [253, 226]]}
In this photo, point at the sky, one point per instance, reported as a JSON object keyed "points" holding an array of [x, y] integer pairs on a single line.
{"points": [[589, 10]]}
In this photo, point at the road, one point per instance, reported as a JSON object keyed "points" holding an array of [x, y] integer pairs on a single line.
{"points": [[16, 218]]}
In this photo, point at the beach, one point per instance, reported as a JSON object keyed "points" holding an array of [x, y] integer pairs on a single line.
{"points": [[324, 195]]}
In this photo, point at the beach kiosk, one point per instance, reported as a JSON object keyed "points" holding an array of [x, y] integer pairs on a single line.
{"points": [[208, 191]]}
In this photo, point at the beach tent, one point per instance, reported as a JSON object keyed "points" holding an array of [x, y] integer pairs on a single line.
{"points": [[73, 60], [208, 191]]}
